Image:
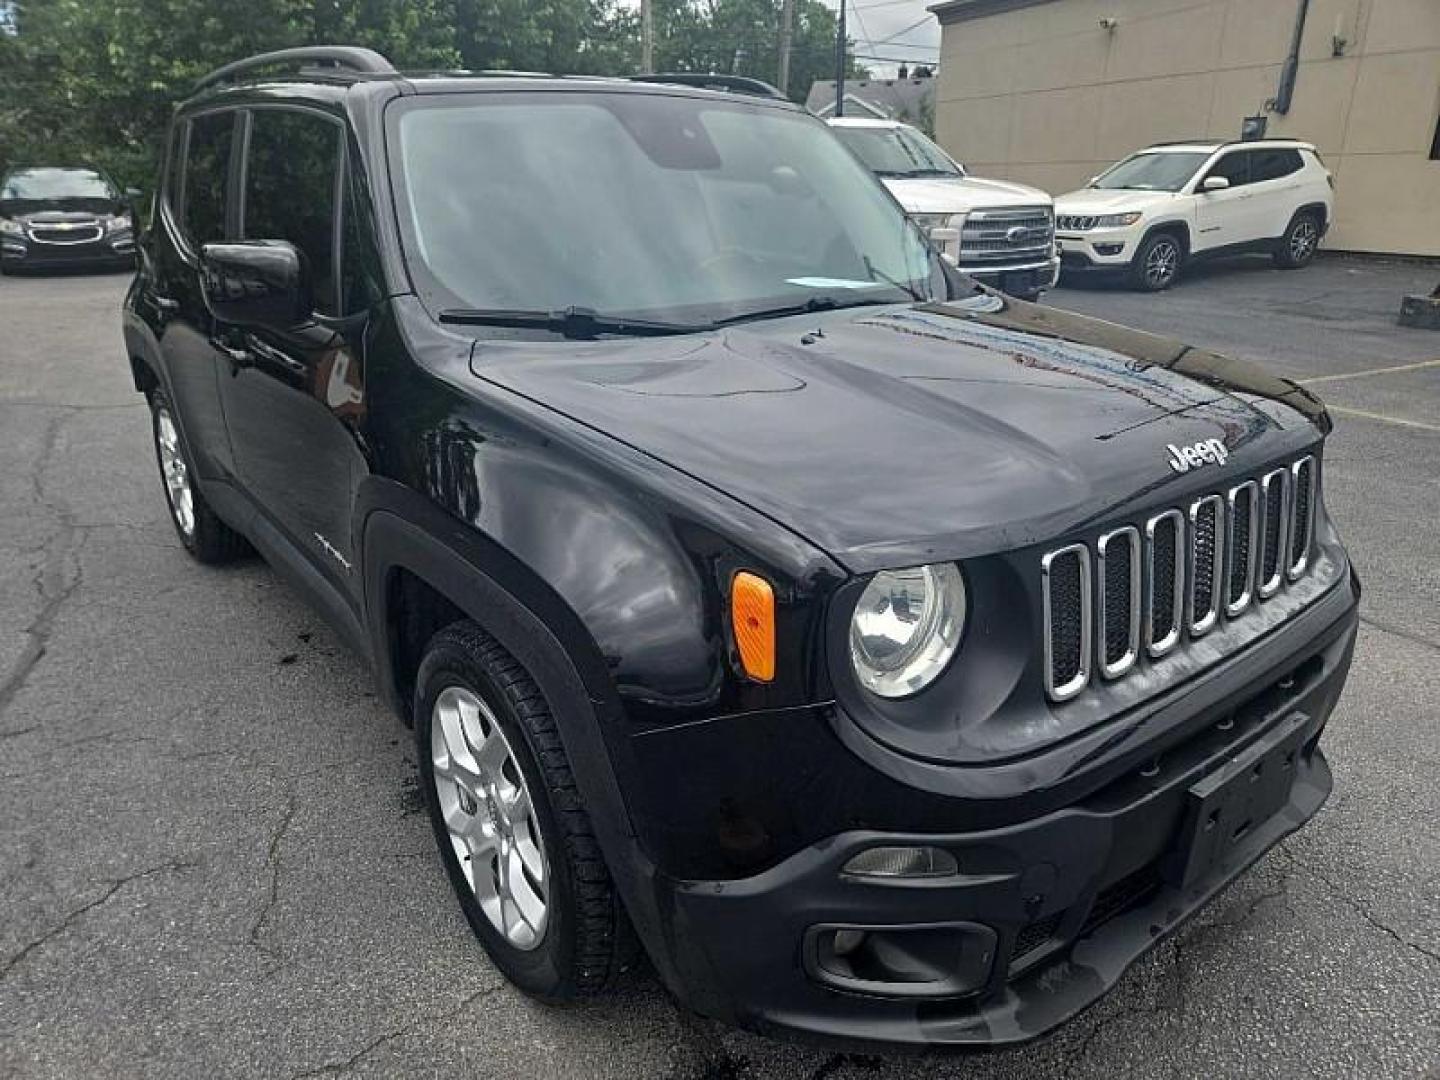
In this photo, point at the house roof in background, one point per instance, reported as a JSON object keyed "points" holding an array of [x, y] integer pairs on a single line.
{"points": [[885, 99]]}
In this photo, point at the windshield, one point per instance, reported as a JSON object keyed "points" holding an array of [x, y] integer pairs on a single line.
{"points": [[897, 151], [55, 184], [681, 209], [1167, 171]]}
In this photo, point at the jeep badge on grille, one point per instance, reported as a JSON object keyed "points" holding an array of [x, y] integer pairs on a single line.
{"points": [[1207, 451]]}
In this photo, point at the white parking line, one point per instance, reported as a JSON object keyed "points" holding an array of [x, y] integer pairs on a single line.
{"points": [[1382, 418], [1372, 371]]}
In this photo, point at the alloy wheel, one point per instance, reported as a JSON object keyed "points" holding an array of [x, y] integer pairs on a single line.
{"points": [[1161, 262], [175, 472], [1303, 239], [486, 806]]}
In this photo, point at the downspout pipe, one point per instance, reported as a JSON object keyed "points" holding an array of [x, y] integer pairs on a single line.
{"points": [[1280, 103]]}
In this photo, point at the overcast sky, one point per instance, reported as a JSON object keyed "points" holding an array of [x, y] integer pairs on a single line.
{"points": [[893, 29]]}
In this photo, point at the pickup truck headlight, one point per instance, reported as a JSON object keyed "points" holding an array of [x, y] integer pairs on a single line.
{"points": [[906, 628], [117, 223], [11, 227], [1116, 221], [937, 221]]}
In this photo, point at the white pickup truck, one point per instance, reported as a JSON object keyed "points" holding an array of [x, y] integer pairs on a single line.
{"points": [[1000, 233]]}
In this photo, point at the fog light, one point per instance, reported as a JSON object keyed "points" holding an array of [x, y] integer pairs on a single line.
{"points": [[1109, 249], [847, 941], [902, 862]]}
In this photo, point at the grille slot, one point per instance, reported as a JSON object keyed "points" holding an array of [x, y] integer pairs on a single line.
{"points": [[1118, 573], [1242, 539], [1075, 222], [1207, 562], [1065, 585], [1302, 516], [1166, 597], [1274, 527]]}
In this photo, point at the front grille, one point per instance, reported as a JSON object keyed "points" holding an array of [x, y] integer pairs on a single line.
{"points": [[1007, 236], [1207, 562], [1302, 520], [1275, 503], [1129, 892], [1178, 575], [1065, 583], [1074, 222], [1033, 936], [85, 233], [1118, 556], [1241, 541]]}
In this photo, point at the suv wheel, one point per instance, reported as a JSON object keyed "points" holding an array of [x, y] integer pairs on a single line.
{"points": [[204, 535], [1298, 245], [1157, 263], [512, 830]]}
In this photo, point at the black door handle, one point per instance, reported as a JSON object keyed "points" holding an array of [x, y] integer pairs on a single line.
{"points": [[239, 358]]}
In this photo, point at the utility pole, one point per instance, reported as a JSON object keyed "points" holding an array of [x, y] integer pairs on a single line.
{"points": [[787, 27], [647, 38], [840, 64]]}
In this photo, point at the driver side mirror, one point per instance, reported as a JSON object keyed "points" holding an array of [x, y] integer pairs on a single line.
{"points": [[1214, 183], [257, 283]]}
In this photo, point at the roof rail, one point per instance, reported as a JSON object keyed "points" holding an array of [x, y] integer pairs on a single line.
{"points": [[735, 84], [342, 57]]}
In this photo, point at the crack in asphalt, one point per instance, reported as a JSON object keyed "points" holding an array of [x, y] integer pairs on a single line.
{"points": [[272, 861], [1360, 909], [51, 581], [112, 886], [1400, 632], [333, 1068]]}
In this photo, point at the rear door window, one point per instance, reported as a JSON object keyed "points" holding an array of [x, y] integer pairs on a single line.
{"points": [[292, 191], [206, 180]]}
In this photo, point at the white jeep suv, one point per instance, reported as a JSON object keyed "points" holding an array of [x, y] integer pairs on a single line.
{"points": [[1000, 233], [1173, 202]]}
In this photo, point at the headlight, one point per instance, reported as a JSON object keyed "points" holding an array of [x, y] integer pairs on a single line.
{"points": [[1116, 221], [117, 222], [11, 227], [932, 221], [906, 628]]}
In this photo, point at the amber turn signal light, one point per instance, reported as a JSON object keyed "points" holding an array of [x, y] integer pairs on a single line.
{"points": [[752, 614]]}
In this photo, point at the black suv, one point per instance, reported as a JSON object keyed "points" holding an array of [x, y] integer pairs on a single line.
{"points": [[64, 216], [889, 659]]}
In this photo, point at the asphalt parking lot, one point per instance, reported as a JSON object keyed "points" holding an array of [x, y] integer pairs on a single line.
{"points": [[213, 860]]}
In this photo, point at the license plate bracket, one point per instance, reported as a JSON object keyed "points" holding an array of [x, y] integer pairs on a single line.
{"points": [[1224, 808]]}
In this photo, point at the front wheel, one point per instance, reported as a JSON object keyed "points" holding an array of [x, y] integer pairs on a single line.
{"points": [[512, 828], [1157, 264], [1298, 245]]}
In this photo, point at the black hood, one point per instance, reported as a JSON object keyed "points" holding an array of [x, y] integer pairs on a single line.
{"points": [[904, 434]]}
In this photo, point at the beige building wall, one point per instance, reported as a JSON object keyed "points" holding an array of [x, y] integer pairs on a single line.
{"points": [[1038, 91]]}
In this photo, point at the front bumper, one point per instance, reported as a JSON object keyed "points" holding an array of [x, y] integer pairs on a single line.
{"points": [[1097, 248], [114, 250], [1023, 279], [1072, 897]]}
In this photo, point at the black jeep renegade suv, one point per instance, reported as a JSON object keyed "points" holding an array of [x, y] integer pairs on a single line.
{"points": [[890, 660]]}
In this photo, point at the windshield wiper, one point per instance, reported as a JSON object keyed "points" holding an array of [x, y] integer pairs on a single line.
{"points": [[813, 304], [573, 322]]}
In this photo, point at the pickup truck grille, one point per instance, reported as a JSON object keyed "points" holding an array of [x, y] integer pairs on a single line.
{"points": [[1176, 575], [1009, 236]]}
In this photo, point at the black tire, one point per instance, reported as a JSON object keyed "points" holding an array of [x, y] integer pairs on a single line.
{"points": [[205, 536], [1157, 263], [1296, 248], [587, 941]]}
